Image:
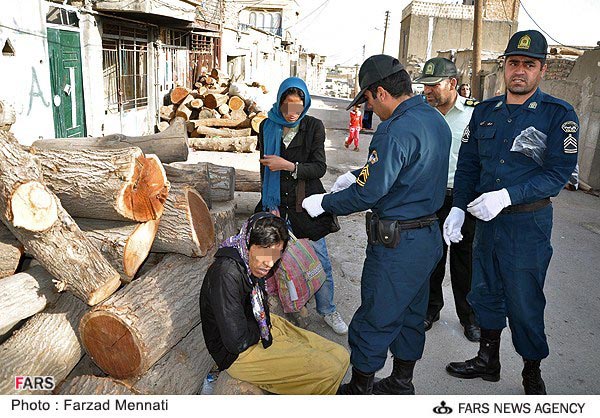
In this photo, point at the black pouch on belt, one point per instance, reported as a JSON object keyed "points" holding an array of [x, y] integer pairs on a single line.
{"points": [[381, 231]]}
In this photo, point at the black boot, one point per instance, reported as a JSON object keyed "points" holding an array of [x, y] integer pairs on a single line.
{"points": [[487, 363], [399, 382], [532, 378], [360, 384]]}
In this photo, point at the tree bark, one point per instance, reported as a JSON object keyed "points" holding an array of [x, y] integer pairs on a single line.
{"points": [[186, 226], [225, 225], [215, 181], [47, 345], [247, 181], [124, 244], [23, 295], [222, 123], [169, 145], [11, 251], [238, 144], [222, 132], [93, 385], [162, 126], [184, 110], [36, 218], [132, 330], [114, 184]]}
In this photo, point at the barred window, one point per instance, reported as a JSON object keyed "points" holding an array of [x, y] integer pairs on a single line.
{"points": [[125, 67]]}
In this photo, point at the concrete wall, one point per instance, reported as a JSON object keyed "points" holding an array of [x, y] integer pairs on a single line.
{"points": [[25, 81]]}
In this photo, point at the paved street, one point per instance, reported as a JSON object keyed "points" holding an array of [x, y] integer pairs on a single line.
{"points": [[572, 285]]}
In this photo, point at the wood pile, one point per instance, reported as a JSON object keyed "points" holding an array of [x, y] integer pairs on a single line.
{"points": [[103, 249], [217, 117]]}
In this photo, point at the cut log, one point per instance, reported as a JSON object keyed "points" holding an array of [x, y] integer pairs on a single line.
{"points": [[245, 203], [178, 94], [222, 123], [222, 132], [93, 385], [247, 181], [162, 126], [215, 180], [169, 146], [132, 330], [218, 75], [186, 226], [225, 226], [184, 110], [37, 219], [239, 144], [115, 184], [214, 100], [11, 251], [223, 109], [180, 371], [256, 120], [86, 367], [7, 116], [236, 103], [206, 114], [196, 104], [238, 115], [23, 295], [124, 244], [167, 112], [227, 385], [47, 345]]}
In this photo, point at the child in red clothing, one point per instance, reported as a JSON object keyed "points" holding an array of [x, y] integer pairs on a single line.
{"points": [[355, 127]]}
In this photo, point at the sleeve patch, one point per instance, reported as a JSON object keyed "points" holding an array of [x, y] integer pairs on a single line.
{"points": [[373, 157]]}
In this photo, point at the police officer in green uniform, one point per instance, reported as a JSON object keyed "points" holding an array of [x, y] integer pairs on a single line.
{"points": [[518, 150], [403, 182], [439, 78]]}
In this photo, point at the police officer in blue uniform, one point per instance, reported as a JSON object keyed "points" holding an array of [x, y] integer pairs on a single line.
{"points": [[518, 150], [403, 182]]}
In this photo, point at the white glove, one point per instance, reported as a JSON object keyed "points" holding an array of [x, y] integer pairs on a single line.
{"points": [[343, 182], [453, 225], [488, 205], [312, 204]]}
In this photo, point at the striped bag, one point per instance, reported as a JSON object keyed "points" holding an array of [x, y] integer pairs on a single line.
{"points": [[298, 276]]}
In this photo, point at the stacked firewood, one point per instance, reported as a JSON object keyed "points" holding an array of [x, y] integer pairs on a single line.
{"points": [[103, 249], [218, 118]]}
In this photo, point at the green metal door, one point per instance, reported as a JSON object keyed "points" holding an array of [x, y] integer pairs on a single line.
{"points": [[67, 83]]}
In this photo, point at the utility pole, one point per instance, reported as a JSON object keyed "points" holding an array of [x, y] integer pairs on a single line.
{"points": [[363, 53], [387, 18], [477, 39]]}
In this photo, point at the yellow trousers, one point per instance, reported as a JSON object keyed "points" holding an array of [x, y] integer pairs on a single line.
{"points": [[299, 362]]}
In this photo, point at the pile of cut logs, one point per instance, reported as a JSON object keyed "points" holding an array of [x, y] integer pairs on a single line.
{"points": [[216, 118], [104, 243]]}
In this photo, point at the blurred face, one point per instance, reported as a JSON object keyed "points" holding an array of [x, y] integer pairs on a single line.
{"points": [[292, 107], [522, 74], [376, 104], [262, 259], [465, 91], [440, 94]]}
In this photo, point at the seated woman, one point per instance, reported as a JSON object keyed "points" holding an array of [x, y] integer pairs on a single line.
{"points": [[235, 318]]}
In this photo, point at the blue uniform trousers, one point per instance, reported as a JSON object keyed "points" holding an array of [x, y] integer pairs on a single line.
{"points": [[511, 254], [394, 296]]}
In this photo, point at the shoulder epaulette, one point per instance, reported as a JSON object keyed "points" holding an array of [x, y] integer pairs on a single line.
{"points": [[551, 99], [471, 102]]}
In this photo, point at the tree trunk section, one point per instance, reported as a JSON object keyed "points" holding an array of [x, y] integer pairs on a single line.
{"points": [[131, 331], [178, 94], [247, 181], [186, 226], [36, 218], [167, 112], [245, 202], [169, 146], [225, 226], [47, 345], [23, 295], [222, 132], [238, 144], [214, 180], [236, 103], [114, 184], [223, 109], [196, 104], [214, 100], [184, 111], [222, 123], [93, 385], [11, 251], [257, 119], [124, 244]]}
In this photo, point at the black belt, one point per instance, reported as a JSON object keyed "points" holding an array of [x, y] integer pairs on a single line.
{"points": [[527, 207], [387, 231], [449, 192]]}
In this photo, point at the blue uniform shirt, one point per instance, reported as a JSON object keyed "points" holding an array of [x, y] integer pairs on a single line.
{"points": [[486, 162], [406, 172]]}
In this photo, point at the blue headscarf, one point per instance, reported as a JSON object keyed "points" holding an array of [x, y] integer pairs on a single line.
{"points": [[272, 133]]}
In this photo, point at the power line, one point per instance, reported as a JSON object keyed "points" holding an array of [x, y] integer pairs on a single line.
{"points": [[306, 17], [540, 28]]}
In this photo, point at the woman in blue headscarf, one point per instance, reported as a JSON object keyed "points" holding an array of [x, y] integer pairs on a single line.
{"points": [[292, 157]]}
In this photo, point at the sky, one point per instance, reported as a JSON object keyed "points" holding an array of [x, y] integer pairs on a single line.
{"points": [[340, 28]]}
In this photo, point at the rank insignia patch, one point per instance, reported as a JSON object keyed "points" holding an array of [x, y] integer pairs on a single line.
{"points": [[498, 104], [373, 157], [363, 176], [532, 105], [466, 134], [570, 127], [570, 145]]}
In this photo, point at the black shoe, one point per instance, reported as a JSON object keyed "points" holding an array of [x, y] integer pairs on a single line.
{"points": [[532, 378], [399, 382], [472, 332], [487, 363], [360, 384], [430, 319]]}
